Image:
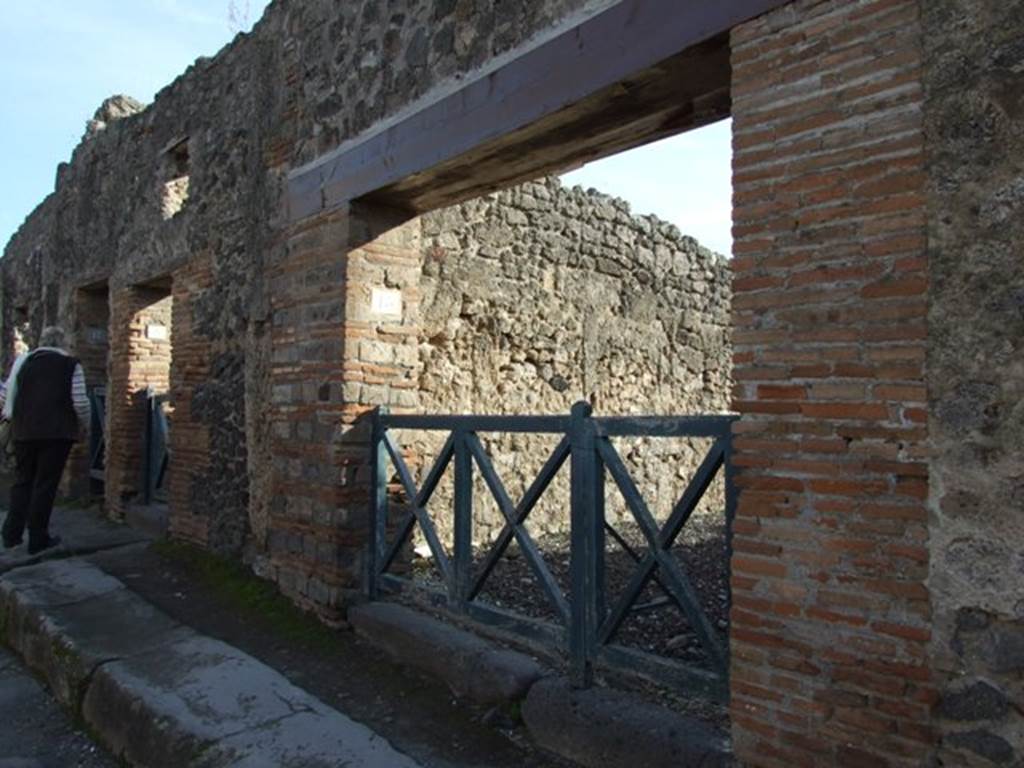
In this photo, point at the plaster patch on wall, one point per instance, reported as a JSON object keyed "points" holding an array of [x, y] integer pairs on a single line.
{"points": [[386, 302]]}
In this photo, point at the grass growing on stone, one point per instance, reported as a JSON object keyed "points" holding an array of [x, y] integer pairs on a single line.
{"points": [[254, 597]]}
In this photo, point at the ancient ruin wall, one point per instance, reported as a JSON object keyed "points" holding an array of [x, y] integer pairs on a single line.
{"points": [[974, 118], [539, 296], [310, 76], [830, 353]]}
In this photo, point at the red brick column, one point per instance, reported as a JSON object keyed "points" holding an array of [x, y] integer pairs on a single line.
{"points": [[135, 363], [91, 320], [190, 439], [333, 359], [830, 618]]}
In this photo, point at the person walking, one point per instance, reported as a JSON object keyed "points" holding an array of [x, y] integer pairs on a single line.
{"points": [[45, 400]]}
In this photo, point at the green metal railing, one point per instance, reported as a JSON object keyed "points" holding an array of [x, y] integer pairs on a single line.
{"points": [[587, 622]]}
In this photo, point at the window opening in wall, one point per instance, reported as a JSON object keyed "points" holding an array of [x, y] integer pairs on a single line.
{"points": [[22, 329], [545, 294], [175, 178]]}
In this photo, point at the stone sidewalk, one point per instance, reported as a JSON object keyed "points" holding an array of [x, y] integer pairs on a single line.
{"points": [[153, 691], [82, 532]]}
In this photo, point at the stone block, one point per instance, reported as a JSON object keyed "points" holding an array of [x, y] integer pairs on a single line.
{"points": [[980, 701], [986, 744], [198, 701], [469, 665], [602, 728], [67, 617], [1007, 647], [376, 352]]}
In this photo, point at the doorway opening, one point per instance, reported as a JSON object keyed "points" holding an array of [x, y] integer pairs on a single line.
{"points": [[532, 299], [140, 407], [627, 79]]}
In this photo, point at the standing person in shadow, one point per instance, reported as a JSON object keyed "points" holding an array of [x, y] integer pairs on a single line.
{"points": [[45, 399]]}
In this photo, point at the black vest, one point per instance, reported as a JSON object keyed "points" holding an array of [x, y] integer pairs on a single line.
{"points": [[42, 404]]}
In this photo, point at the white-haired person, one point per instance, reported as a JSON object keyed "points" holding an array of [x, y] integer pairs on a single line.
{"points": [[45, 400]]}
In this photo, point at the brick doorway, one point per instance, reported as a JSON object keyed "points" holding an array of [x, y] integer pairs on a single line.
{"points": [[359, 239], [141, 362]]}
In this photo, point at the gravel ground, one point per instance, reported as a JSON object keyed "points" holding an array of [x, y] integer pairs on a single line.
{"points": [[700, 550], [35, 731]]}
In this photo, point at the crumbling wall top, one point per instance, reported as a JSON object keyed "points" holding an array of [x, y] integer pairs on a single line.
{"points": [[113, 108]]}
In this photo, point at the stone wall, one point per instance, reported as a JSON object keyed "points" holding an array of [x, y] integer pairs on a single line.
{"points": [[877, 326], [974, 116], [539, 296], [23, 306]]}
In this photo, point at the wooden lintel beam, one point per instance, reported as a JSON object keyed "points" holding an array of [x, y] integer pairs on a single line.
{"points": [[687, 91], [631, 36]]}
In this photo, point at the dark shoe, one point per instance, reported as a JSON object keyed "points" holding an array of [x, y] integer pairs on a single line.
{"points": [[12, 543], [51, 541]]}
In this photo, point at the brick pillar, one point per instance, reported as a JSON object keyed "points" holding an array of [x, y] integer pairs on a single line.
{"points": [[135, 363], [334, 357], [91, 319], [830, 618], [190, 438]]}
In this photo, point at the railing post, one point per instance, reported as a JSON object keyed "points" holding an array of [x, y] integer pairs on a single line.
{"points": [[98, 403], [731, 494], [462, 509], [587, 542], [147, 450], [378, 501]]}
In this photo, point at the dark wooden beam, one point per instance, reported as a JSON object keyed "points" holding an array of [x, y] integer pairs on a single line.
{"points": [[597, 85], [684, 92]]}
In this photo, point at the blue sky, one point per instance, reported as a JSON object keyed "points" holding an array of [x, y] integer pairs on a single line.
{"points": [[59, 59]]}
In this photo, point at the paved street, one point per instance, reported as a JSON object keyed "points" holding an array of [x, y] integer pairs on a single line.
{"points": [[34, 731]]}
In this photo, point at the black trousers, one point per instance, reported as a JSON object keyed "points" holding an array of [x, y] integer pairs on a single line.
{"points": [[40, 464]]}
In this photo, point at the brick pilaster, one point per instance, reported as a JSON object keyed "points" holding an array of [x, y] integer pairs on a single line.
{"points": [[91, 320], [332, 360], [830, 618], [190, 438]]}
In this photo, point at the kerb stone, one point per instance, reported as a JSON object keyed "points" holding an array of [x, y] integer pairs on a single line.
{"points": [[602, 728], [473, 668]]}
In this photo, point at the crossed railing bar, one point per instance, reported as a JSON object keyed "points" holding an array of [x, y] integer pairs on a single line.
{"points": [[97, 437], [659, 542], [590, 627]]}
